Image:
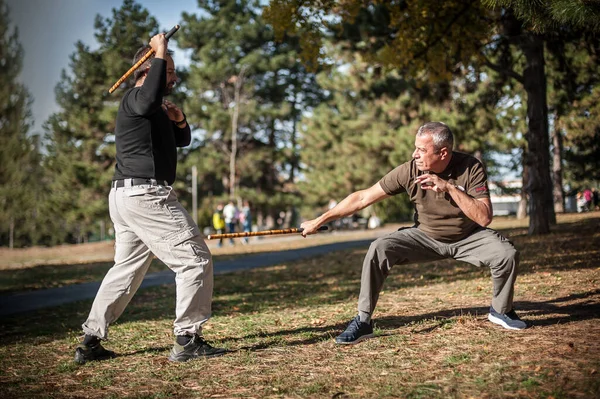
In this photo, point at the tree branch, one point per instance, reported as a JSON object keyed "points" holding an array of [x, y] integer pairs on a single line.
{"points": [[506, 72], [444, 32]]}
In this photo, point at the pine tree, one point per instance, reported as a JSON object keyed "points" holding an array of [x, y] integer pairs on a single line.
{"points": [[81, 153], [228, 38], [19, 152], [574, 76]]}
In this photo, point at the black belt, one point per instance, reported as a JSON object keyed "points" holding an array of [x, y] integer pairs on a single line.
{"points": [[138, 182]]}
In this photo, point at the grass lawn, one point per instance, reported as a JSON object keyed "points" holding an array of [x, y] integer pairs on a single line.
{"points": [[433, 338]]}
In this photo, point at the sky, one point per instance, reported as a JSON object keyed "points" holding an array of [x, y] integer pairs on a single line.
{"points": [[49, 29]]}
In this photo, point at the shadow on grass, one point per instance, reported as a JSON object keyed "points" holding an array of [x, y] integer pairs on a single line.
{"points": [[332, 278], [51, 276], [152, 349], [54, 276], [569, 313], [563, 310]]}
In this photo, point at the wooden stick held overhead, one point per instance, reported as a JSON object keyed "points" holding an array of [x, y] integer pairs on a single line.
{"points": [[259, 233], [141, 61]]}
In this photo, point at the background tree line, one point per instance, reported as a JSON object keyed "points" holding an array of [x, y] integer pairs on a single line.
{"points": [[290, 108]]}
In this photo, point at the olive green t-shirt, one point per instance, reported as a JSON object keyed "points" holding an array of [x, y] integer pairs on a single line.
{"points": [[436, 214]]}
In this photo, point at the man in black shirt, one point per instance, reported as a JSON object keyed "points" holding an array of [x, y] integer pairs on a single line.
{"points": [[148, 218]]}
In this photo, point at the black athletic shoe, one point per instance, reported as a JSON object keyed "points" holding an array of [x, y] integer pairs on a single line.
{"points": [[355, 332], [197, 347], [87, 353], [508, 320]]}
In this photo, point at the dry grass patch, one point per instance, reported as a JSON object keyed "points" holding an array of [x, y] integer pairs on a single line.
{"points": [[433, 337]]}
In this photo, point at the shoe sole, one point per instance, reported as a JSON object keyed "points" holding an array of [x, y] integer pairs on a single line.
{"points": [[501, 322], [361, 338]]}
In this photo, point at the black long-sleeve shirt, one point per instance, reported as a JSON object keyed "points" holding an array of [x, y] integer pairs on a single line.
{"points": [[145, 137]]}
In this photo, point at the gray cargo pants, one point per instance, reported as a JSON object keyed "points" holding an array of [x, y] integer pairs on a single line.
{"points": [[148, 219], [485, 247]]}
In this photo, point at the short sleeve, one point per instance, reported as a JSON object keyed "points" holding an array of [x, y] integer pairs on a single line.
{"points": [[478, 185], [397, 180]]}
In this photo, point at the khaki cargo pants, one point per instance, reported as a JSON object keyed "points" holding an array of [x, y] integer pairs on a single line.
{"points": [[485, 247], [148, 219]]}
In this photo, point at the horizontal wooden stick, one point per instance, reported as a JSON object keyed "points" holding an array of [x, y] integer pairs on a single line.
{"points": [[259, 233]]}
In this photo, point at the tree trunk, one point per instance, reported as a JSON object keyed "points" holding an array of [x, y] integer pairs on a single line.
{"points": [[557, 181], [538, 143], [233, 153], [238, 85], [522, 211], [294, 156], [11, 234]]}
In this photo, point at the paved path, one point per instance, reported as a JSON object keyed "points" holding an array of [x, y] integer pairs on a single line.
{"points": [[32, 300]]}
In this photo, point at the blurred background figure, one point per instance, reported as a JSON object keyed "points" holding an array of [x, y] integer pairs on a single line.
{"points": [[580, 202], [219, 222], [588, 197], [374, 222], [230, 214], [246, 220]]}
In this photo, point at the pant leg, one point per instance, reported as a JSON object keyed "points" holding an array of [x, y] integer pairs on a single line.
{"points": [[405, 246], [487, 247], [220, 243], [169, 231], [231, 229], [132, 259]]}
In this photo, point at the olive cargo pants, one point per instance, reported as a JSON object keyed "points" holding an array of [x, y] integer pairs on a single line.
{"points": [[484, 247]]}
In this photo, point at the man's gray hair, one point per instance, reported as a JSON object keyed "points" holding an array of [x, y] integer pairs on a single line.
{"points": [[440, 133]]}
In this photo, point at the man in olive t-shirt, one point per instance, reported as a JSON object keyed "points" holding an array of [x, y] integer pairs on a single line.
{"points": [[452, 209]]}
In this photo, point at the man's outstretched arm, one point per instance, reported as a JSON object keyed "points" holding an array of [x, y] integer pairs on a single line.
{"points": [[351, 204]]}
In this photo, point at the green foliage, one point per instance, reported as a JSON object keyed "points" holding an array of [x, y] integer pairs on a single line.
{"points": [[364, 130], [583, 141], [226, 38], [574, 78], [19, 152], [80, 151], [550, 15], [431, 40], [426, 38]]}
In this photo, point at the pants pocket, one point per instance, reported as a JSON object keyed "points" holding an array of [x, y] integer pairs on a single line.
{"points": [[179, 237], [148, 196]]}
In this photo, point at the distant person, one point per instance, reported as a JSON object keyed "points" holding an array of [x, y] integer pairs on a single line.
{"points": [[331, 204], [230, 214], [148, 218], [588, 197], [219, 222], [452, 208], [580, 202], [374, 222], [595, 199], [246, 220]]}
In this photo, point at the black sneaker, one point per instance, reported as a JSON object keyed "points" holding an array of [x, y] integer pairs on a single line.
{"points": [[197, 347], [508, 320], [355, 332], [86, 353]]}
